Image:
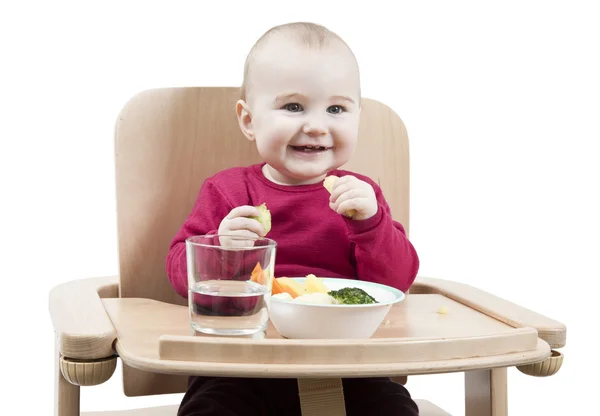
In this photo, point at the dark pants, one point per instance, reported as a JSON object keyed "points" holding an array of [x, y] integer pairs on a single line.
{"points": [[209, 396]]}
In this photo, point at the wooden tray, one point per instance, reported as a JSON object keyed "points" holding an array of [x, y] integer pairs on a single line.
{"points": [[413, 339]]}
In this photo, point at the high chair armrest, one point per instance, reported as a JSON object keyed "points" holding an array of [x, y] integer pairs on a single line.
{"points": [[551, 331], [83, 328]]}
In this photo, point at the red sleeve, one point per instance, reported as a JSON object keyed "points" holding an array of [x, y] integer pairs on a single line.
{"points": [[209, 210], [382, 252]]}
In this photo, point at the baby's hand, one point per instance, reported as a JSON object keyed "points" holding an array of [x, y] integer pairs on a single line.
{"points": [[350, 193], [236, 224]]}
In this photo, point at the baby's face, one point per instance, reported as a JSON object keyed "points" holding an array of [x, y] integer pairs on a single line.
{"points": [[304, 110]]}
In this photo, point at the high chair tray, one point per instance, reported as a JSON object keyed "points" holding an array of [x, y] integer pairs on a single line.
{"points": [[413, 339]]}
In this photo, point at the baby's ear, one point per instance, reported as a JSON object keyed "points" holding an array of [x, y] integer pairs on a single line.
{"points": [[244, 117]]}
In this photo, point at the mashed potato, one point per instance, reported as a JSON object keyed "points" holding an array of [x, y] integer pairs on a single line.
{"points": [[283, 296], [315, 298], [318, 298]]}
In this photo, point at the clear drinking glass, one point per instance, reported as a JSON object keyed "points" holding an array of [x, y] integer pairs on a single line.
{"points": [[229, 281]]}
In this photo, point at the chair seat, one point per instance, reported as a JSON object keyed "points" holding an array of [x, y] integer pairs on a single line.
{"points": [[425, 409]]}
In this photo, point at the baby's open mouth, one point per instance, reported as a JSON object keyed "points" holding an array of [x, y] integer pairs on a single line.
{"points": [[310, 148]]}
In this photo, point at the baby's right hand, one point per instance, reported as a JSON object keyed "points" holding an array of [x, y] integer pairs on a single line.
{"points": [[237, 224]]}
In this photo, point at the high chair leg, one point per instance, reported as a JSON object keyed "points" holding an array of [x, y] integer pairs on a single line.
{"points": [[66, 395], [486, 392]]}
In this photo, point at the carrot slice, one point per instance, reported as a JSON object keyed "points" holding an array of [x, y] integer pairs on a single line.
{"points": [[284, 288], [257, 274], [263, 277], [277, 288]]}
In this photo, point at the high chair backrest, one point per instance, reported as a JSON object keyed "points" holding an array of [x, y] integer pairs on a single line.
{"points": [[168, 141]]}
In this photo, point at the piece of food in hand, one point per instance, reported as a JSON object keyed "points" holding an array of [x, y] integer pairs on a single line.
{"points": [[291, 286], [313, 284], [328, 183], [352, 296], [264, 217], [318, 298]]}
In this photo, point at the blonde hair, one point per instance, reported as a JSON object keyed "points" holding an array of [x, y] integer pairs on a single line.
{"points": [[311, 35]]}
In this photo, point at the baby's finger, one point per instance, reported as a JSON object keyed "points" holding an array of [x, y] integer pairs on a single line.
{"points": [[243, 211], [351, 193], [347, 180], [246, 234], [339, 190], [243, 223], [239, 238], [350, 206]]}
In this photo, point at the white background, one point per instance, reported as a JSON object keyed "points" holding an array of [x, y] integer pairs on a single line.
{"points": [[500, 99]]}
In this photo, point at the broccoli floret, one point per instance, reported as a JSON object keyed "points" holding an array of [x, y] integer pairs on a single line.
{"points": [[352, 296]]}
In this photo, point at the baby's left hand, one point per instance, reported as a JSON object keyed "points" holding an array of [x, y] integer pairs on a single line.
{"points": [[350, 193]]}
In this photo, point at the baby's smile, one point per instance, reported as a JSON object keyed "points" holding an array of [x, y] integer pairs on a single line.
{"points": [[310, 149]]}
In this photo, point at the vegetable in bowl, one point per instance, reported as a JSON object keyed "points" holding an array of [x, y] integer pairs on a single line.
{"points": [[306, 307], [314, 290], [352, 296]]}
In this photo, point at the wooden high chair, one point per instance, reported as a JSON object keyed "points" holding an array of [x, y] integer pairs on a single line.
{"points": [[167, 142]]}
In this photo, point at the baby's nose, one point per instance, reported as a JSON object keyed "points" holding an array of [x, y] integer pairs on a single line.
{"points": [[315, 127]]}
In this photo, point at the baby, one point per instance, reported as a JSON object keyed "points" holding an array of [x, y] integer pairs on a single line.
{"points": [[300, 105]]}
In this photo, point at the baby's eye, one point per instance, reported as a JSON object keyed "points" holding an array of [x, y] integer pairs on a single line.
{"points": [[293, 107], [336, 109]]}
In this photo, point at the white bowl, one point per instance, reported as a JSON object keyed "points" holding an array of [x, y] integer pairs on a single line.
{"points": [[317, 321]]}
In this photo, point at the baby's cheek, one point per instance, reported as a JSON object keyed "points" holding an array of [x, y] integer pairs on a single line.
{"points": [[271, 145], [345, 149], [346, 133]]}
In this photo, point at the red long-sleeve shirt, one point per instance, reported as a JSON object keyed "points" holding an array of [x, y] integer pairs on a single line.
{"points": [[310, 236]]}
